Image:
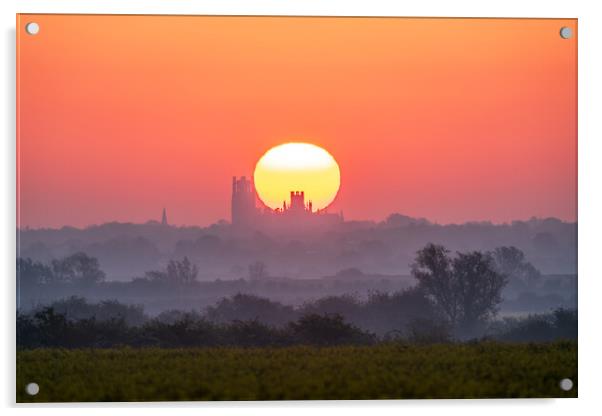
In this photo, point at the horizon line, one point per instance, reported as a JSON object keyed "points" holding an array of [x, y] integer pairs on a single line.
{"points": [[229, 223]]}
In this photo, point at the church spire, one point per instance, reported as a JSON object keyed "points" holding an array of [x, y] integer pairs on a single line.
{"points": [[164, 217]]}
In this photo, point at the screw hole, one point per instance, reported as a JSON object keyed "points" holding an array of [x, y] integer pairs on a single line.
{"points": [[32, 28], [32, 389], [566, 32]]}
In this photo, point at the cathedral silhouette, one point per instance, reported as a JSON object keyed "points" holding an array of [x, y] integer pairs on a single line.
{"points": [[247, 211]]}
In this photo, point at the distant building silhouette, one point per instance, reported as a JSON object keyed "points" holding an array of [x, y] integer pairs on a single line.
{"points": [[297, 202], [164, 217], [294, 216], [243, 201]]}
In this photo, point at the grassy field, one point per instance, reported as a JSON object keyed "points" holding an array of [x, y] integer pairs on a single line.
{"points": [[479, 370]]}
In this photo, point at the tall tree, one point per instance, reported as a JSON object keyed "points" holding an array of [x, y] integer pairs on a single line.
{"points": [[466, 289], [479, 285], [511, 262], [182, 271], [433, 270]]}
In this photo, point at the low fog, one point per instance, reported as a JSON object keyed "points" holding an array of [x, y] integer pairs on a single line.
{"points": [[368, 273]]}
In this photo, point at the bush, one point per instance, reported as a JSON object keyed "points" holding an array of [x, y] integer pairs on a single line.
{"points": [[385, 312], [347, 306], [242, 307], [557, 325], [253, 334], [325, 330], [47, 328], [184, 333], [77, 308], [77, 327]]}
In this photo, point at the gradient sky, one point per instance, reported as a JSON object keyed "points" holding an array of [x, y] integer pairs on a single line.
{"points": [[448, 119]]}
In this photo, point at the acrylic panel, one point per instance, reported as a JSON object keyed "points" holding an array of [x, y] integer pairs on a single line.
{"points": [[295, 208]]}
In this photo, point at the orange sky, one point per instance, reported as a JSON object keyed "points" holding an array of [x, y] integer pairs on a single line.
{"points": [[448, 119]]}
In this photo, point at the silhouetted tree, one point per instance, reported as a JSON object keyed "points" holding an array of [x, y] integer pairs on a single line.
{"points": [[32, 273], [559, 324], [348, 306], [511, 262], [182, 271], [156, 276], [78, 268], [179, 272], [53, 328], [434, 272], [480, 287], [187, 332], [174, 315], [467, 289], [28, 335], [565, 323], [316, 329], [77, 308], [243, 307]]}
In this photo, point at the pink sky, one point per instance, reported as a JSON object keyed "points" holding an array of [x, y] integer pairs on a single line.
{"points": [[461, 120]]}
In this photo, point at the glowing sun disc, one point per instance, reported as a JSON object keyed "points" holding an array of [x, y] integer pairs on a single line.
{"points": [[297, 167]]}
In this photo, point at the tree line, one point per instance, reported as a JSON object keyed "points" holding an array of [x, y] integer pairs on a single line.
{"points": [[81, 269], [457, 294], [47, 327]]}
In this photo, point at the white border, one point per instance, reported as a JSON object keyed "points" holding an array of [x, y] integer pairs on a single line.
{"points": [[590, 175], [509, 8]]}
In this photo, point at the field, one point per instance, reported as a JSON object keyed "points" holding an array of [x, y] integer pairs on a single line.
{"points": [[390, 371]]}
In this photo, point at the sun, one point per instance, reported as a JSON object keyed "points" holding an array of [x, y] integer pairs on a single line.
{"points": [[297, 167]]}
